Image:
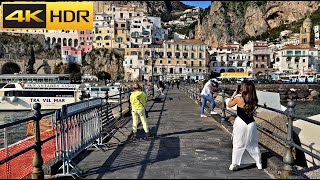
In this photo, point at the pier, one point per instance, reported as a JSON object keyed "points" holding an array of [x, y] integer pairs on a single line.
{"points": [[89, 141]]}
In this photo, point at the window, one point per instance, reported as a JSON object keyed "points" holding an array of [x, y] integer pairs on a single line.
{"points": [[160, 61], [66, 52], [192, 48], [192, 55], [121, 15], [169, 46], [200, 47], [289, 52], [185, 55], [185, 62], [81, 32], [262, 65], [160, 54], [169, 54], [177, 55], [130, 15], [303, 60], [123, 25], [256, 65], [200, 55], [177, 62], [200, 63], [177, 47], [169, 62], [191, 63], [107, 44], [185, 47], [120, 39]]}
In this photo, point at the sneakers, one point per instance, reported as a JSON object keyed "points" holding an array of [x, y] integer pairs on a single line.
{"points": [[233, 167], [259, 166], [212, 112], [202, 115], [148, 136]]}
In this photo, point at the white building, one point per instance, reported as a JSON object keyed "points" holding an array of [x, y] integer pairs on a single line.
{"points": [[297, 60]]}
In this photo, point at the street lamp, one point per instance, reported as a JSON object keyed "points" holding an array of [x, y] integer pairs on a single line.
{"points": [[153, 58]]}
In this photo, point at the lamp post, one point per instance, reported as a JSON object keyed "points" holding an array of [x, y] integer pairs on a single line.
{"points": [[153, 58]]}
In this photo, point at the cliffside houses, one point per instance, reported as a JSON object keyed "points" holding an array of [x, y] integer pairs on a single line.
{"points": [[296, 54]]}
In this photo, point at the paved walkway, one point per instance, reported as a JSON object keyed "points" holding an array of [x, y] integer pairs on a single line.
{"points": [[186, 146]]}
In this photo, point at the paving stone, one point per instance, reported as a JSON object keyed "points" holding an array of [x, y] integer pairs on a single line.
{"points": [[186, 147]]}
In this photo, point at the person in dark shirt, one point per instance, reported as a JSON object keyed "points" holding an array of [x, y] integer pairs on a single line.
{"points": [[245, 133]]}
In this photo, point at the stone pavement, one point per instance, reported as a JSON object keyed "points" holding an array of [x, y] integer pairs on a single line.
{"points": [[186, 146]]}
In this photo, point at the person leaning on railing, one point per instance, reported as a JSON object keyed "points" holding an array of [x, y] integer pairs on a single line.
{"points": [[138, 100]]}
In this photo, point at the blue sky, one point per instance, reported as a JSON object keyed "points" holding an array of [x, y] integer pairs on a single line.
{"points": [[202, 4]]}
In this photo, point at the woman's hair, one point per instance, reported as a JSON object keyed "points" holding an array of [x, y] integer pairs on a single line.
{"points": [[249, 95]]}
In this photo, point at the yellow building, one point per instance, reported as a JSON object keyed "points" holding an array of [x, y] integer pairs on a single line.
{"points": [[185, 59]]}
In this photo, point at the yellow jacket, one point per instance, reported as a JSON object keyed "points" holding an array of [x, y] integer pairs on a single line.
{"points": [[138, 100]]}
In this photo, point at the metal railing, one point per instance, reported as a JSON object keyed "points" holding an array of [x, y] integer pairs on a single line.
{"points": [[193, 91], [75, 127]]}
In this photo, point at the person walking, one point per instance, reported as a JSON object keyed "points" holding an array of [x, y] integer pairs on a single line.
{"points": [[178, 83], [245, 134], [138, 100], [206, 96], [172, 83]]}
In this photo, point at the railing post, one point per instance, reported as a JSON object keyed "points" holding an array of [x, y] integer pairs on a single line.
{"points": [[120, 102], [37, 172], [288, 159], [223, 108]]}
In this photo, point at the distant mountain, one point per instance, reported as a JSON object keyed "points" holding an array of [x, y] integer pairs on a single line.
{"points": [[244, 20]]}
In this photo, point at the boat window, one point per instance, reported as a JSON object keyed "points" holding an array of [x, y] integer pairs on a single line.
{"points": [[9, 93], [10, 86], [43, 93]]}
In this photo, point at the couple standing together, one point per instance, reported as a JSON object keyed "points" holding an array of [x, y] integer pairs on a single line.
{"points": [[245, 134]]}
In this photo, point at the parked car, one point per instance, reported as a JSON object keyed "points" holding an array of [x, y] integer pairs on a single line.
{"points": [[279, 81]]}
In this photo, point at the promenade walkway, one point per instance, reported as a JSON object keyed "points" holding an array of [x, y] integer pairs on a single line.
{"points": [[186, 146]]}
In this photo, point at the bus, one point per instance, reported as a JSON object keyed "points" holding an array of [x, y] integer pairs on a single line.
{"points": [[302, 79], [317, 78], [311, 79], [293, 78]]}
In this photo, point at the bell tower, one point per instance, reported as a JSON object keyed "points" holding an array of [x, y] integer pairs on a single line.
{"points": [[306, 37]]}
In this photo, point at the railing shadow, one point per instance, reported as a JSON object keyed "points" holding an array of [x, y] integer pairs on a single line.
{"points": [[169, 148]]}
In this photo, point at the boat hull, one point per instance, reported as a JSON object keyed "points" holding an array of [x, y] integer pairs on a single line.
{"points": [[26, 103]]}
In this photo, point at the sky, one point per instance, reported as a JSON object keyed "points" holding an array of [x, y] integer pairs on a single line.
{"points": [[202, 4]]}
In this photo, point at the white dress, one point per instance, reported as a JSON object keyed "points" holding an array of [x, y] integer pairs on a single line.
{"points": [[245, 143]]}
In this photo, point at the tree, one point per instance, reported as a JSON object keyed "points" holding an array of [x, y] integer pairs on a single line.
{"points": [[76, 77], [102, 75], [32, 60]]}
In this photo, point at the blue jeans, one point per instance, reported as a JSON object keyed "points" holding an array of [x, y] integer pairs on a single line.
{"points": [[204, 100]]}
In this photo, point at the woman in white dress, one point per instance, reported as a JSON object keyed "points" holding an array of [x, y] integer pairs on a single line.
{"points": [[245, 134]]}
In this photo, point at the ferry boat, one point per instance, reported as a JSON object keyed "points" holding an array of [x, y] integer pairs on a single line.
{"points": [[20, 96]]}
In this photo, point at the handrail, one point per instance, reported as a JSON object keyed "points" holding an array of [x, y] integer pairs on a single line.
{"points": [[288, 159], [38, 172]]}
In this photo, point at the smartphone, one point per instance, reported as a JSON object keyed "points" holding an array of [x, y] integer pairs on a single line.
{"points": [[238, 89]]}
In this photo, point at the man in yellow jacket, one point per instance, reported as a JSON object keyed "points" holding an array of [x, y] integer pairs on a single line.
{"points": [[138, 100]]}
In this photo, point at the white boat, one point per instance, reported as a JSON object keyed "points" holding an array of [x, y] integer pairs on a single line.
{"points": [[19, 96]]}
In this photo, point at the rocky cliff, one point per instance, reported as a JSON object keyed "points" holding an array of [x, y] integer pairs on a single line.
{"points": [[102, 59], [15, 46], [235, 21]]}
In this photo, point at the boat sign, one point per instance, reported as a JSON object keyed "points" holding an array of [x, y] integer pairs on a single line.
{"points": [[51, 86]]}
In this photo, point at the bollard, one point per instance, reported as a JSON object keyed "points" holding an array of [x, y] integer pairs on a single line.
{"points": [[288, 159], [37, 162], [223, 108]]}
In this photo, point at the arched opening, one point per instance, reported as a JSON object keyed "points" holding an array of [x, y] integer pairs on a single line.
{"points": [[75, 43], [48, 40], [70, 42], [64, 42], [231, 70], [98, 38], [107, 38], [59, 40], [53, 40], [10, 68]]}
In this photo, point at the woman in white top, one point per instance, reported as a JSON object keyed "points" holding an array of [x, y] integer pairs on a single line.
{"points": [[245, 134]]}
